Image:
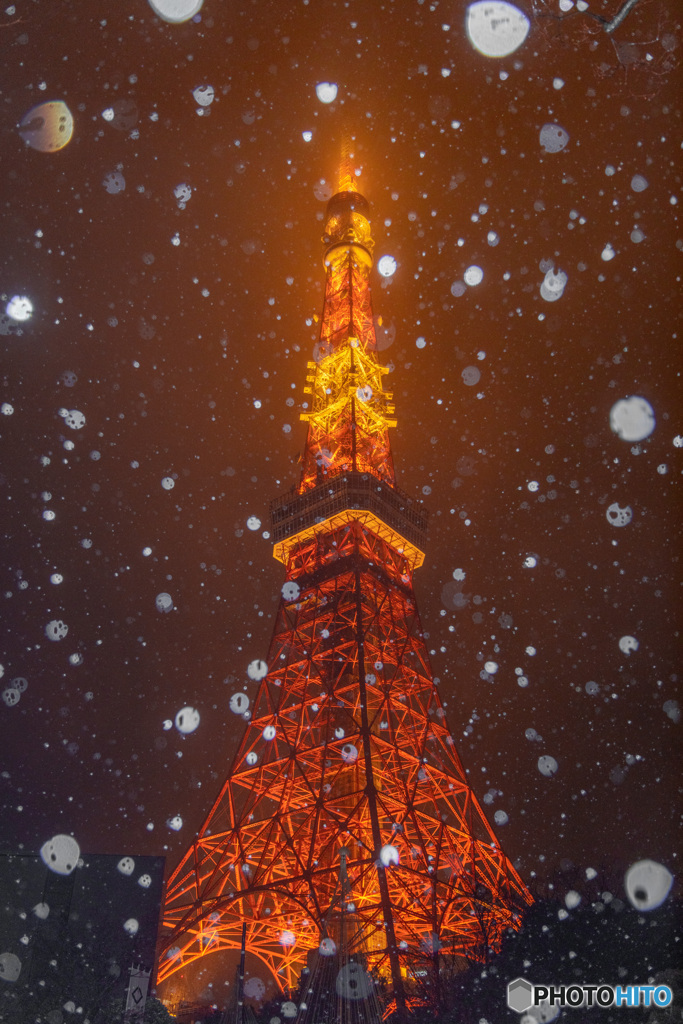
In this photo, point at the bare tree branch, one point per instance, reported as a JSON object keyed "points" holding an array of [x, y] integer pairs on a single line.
{"points": [[608, 25], [620, 15]]}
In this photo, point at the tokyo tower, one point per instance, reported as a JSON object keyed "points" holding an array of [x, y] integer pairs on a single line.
{"points": [[346, 816]]}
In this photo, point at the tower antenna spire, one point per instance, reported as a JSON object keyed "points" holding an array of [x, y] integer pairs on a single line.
{"points": [[347, 177]]}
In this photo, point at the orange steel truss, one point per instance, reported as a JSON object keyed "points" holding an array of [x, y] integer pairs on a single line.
{"points": [[346, 800]]}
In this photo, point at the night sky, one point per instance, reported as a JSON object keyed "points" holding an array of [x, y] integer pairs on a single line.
{"points": [[179, 322]]}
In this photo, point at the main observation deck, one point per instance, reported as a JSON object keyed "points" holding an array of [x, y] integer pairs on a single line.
{"points": [[385, 509]]}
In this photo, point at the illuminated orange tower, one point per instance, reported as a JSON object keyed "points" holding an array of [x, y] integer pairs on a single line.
{"points": [[346, 814]]}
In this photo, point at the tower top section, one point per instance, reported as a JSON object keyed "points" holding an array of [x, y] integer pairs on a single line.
{"points": [[347, 176], [347, 221], [347, 225], [349, 412]]}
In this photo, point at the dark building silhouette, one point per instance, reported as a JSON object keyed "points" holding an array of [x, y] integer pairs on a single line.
{"points": [[70, 939]]}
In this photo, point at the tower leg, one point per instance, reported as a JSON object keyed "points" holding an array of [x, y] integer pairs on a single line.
{"points": [[239, 1016], [390, 932]]}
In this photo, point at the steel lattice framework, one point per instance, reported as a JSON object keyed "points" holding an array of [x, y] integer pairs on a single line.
{"points": [[347, 766]]}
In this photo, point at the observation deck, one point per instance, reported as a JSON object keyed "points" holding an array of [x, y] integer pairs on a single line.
{"points": [[385, 509]]}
